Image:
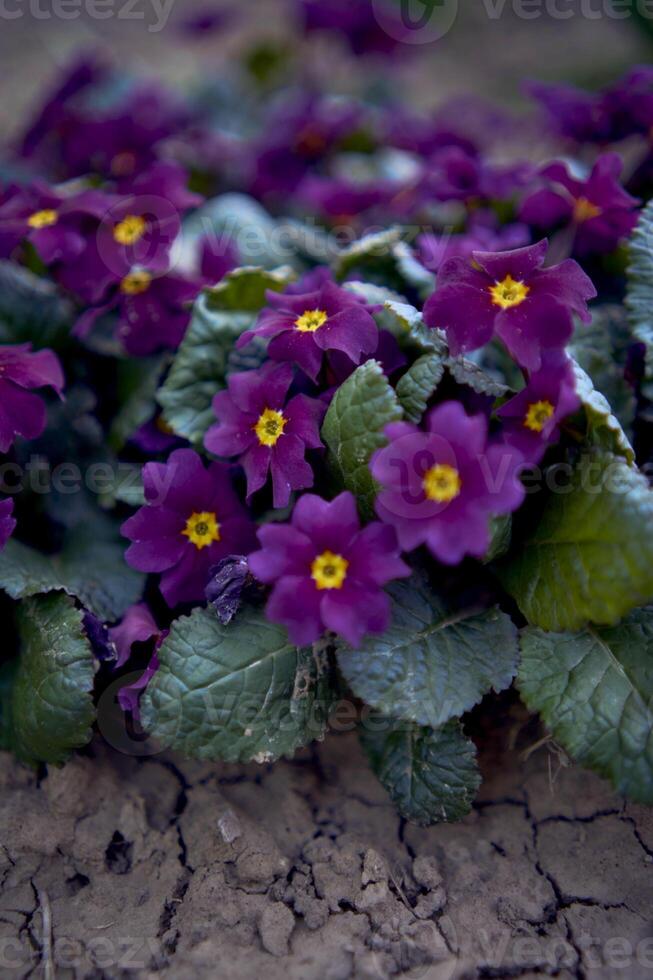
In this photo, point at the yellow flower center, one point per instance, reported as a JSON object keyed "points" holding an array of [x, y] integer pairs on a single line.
{"points": [[310, 321], [136, 282], [202, 529], [43, 219], [269, 427], [509, 292], [329, 571], [584, 210], [538, 415], [130, 229], [442, 483]]}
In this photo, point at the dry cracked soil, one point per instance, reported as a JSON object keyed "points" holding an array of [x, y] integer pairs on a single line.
{"points": [[118, 867]]}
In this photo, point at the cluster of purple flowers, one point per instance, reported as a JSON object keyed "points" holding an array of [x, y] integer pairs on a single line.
{"points": [[103, 220]]}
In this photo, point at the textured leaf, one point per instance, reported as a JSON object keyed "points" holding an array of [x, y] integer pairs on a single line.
{"points": [[353, 428], [199, 369], [236, 692], [501, 536], [369, 254], [601, 348], [590, 559], [430, 774], [466, 372], [31, 309], [604, 428], [639, 294], [52, 707], [243, 290], [431, 665], [594, 690], [204, 359], [91, 566], [416, 387]]}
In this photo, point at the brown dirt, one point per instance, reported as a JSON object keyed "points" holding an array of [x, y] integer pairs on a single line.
{"points": [[114, 867]]}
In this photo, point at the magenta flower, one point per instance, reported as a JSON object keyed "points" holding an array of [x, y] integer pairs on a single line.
{"points": [[153, 311], [137, 626], [137, 231], [21, 412], [303, 326], [440, 487], [482, 235], [267, 433], [326, 572], [509, 294], [7, 522], [55, 225], [192, 518], [531, 419], [155, 436], [598, 211]]}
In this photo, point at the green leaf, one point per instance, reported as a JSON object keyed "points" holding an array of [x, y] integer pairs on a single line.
{"points": [[370, 254], [239, 692], [353, 428], [466, 372], [31, 309], [138, 380], [199, 369], [431, 665], [590, 559], [501, 536], [52, 707], [243, 290], [603, 428], [91, 566], [417, 386], [601, 348], [203, 361], [594, 690], [430, 774], [639, 294]]}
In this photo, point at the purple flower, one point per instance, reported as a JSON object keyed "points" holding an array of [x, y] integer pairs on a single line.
{"points": [[440, 487], [327, 573], [153, 311], [136, 231], [304, 326], [155, 436], [356, 22], [137, 626], [509, 294], [267, 433], [573, 113], [531, 419], [55, 225], [192, 518], [482, 235], [388, 353], [341, 199], [452, 174], [21, 412], [53, 117], [218, 256], [598, 210], [7, 522], [124, 140]]}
